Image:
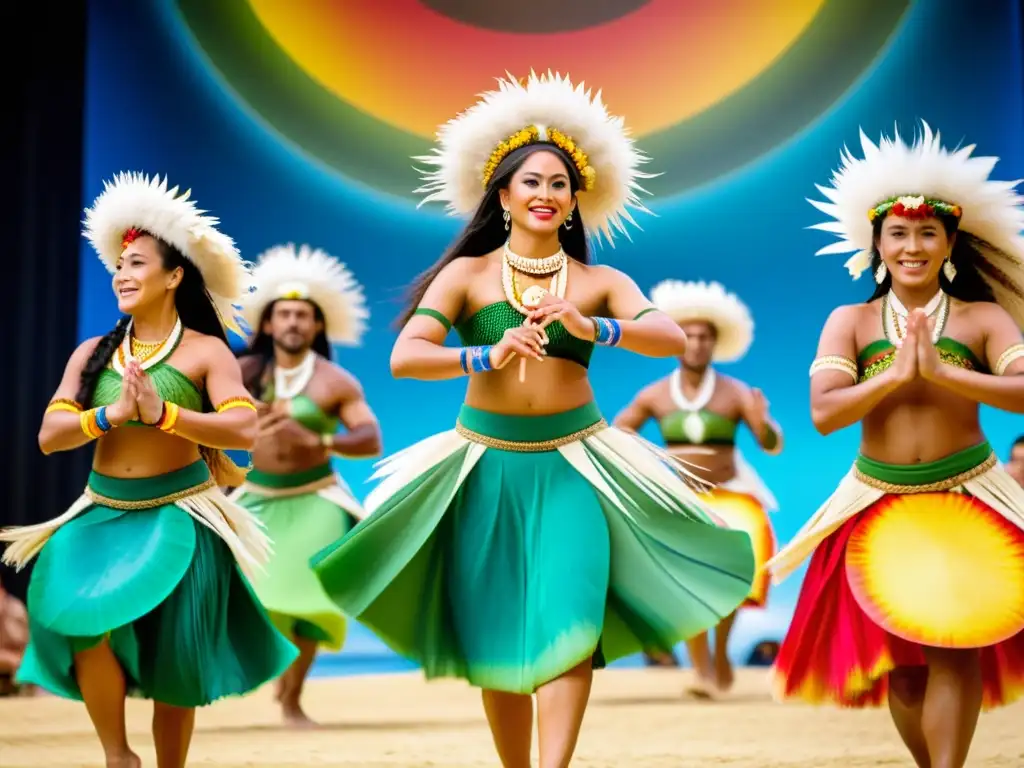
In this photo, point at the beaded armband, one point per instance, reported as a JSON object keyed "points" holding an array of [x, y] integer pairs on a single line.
{"points": [[63, 404], [607, 331], [168, 418], [1008, 357], [475, 359], [94, 422], [835, 363], [236, 402]]}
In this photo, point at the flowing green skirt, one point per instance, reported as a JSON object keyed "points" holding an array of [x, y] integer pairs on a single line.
{"points": [[163, 589], [514, 548], [303, 512]]}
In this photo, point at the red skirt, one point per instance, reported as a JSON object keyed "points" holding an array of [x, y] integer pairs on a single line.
{"points": [[834, 652]]}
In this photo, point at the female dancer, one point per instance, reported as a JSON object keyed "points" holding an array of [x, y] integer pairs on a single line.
{"points": [[137, 587], [304, 301], [698, 412], [915, 586], [533, 542]]}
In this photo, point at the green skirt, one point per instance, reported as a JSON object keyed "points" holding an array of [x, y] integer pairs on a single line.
{"points": [[302, 512], [513, 548], [164, 589]]}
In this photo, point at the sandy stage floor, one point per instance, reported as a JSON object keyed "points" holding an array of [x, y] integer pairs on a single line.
{"points": [[637, 718]]}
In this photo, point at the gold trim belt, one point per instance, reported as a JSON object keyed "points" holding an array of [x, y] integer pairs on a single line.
{"points": [[160, 501], [940, 485], [297, 490], [530, 447]]}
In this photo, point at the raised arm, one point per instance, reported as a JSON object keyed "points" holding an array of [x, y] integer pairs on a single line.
{"points": [[1004, 352], [837, 400], [419, 352], [232, 425], [639, 411], [755, 414], [362, 436]]}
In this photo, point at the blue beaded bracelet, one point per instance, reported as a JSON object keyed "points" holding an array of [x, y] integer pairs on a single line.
{"points": [[101, 419], [607, 331], [475, 359]]}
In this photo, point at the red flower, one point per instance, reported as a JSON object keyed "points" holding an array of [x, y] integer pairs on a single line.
{"points": [[130, 236]]}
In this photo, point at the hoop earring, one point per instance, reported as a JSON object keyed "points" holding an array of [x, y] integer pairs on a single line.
{"points": [[507, 217], [881, 273], [568, 221]]}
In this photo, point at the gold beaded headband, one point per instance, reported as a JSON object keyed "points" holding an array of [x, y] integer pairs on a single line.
{"points": [[531, 135]]}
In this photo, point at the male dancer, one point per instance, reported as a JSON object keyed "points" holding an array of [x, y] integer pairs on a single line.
{"points": [[304, 302]]}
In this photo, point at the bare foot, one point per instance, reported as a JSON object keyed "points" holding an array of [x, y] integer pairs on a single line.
{"points": [[127, 760], [294, 717], [703, 688]]}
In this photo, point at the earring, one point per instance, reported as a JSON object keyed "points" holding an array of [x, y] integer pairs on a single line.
{"points": [[949, 270], [881, 273], [568, 221], [507, 217]]}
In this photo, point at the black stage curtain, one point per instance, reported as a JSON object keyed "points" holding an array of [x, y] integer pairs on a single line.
{"points": [[42, 151]]}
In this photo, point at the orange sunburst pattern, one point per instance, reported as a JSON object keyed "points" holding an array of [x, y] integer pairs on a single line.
{"points": [[939, 569], [744, 513]]}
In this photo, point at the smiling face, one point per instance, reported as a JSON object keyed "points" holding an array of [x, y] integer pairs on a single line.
{"points": [[140, 278], [539, 197], [293, 325], [913, 250]]}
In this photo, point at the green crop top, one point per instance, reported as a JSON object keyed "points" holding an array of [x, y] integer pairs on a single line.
{"points": [[305, 411], [716, 429], [879, 355], [488, 324], [171, 384]]}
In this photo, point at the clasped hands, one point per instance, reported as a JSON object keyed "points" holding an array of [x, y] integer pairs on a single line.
{"points": [[139, 400], [275, 420], [529, 339], [917, 357]]}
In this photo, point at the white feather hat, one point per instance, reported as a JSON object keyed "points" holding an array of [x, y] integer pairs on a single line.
{"points": [[687, 302], [282, 272], [991, 213], [546, 108], [134, 201]]}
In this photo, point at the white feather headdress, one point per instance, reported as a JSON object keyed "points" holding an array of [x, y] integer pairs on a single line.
{"points": [[133, 201], [282, 272], [991, 213], [546, 108], [687, 302]]}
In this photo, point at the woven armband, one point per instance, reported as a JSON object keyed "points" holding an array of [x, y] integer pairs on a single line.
{"points": [[835, 363], [1008, 357]]}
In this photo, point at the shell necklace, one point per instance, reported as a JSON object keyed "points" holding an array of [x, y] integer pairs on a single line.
{"points": [[154, 352], [512, 263], [693, 424], [289, 382], [895, 315]]}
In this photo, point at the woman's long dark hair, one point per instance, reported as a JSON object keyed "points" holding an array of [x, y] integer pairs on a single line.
{"points": [[262, 346], [486, 229], [969, 284]]}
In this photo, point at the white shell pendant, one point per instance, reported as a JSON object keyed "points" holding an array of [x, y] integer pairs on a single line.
{"points": [[693, 427]]}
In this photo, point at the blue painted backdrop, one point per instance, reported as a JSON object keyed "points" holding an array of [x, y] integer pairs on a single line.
{"points": [[156, 104]]}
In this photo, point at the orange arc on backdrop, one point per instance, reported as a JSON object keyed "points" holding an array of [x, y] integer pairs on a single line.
{"points": [[414, 68]]}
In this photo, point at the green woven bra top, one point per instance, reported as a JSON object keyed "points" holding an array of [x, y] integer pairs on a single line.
{"points": [[305, 411], [701, 427], [170, 383], [879, 355], [488, 324]]}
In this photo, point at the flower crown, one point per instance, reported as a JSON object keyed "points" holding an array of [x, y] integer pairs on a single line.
{"points": [[532, 135], [914, 207]]}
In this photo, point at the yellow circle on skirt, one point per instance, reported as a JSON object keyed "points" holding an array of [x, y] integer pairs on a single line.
{"points": [[939, 569]]}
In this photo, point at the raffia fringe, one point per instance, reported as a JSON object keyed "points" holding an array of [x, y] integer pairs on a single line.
{"points": [[988, 482], [241, 531]]}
